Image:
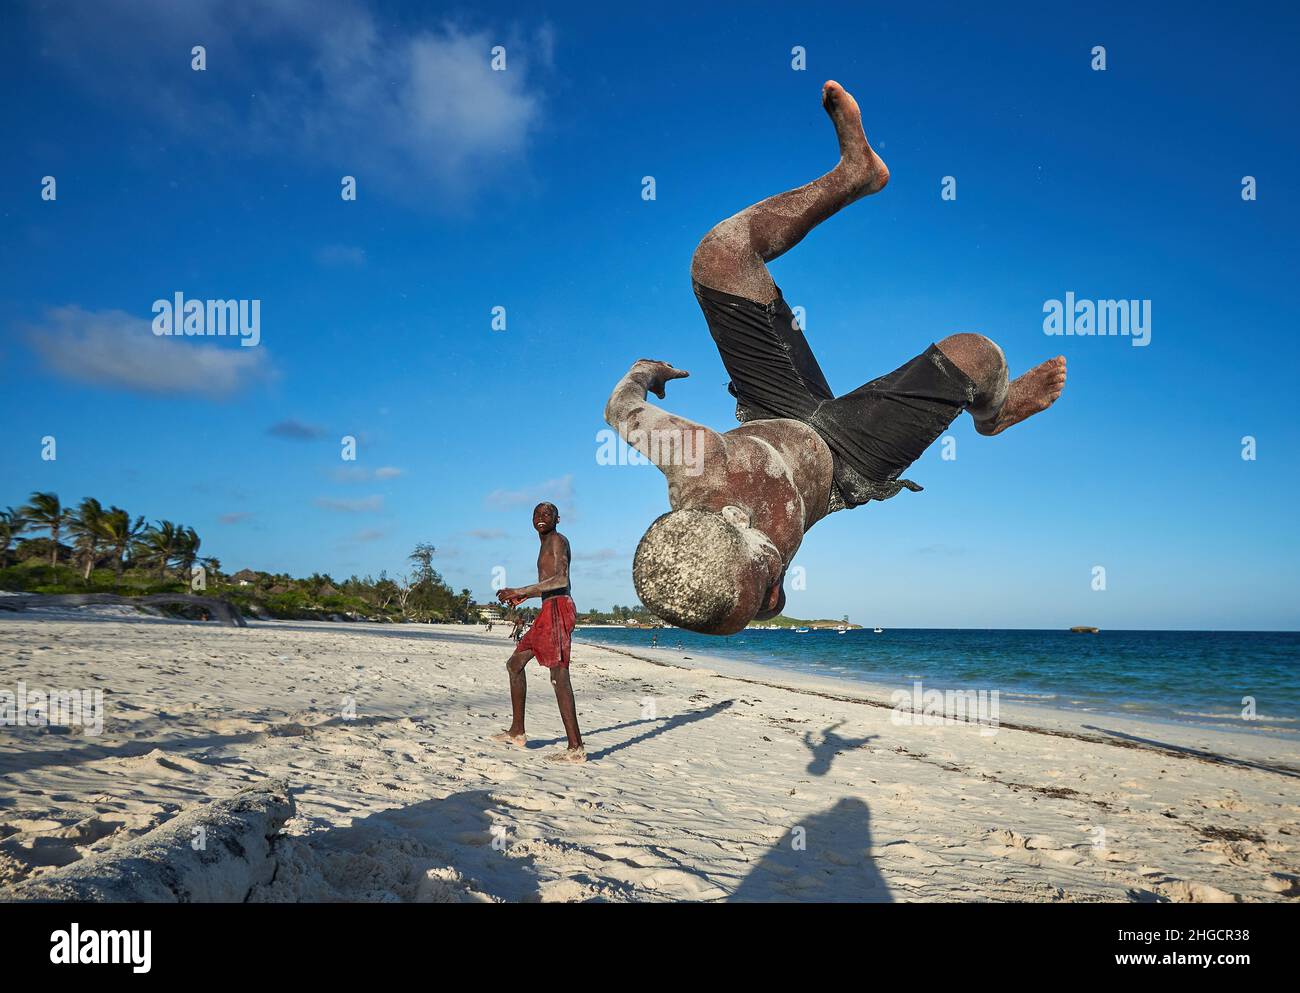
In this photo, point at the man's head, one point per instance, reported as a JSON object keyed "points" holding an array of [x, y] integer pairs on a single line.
{"points": [[545, 518], [707, 572]]}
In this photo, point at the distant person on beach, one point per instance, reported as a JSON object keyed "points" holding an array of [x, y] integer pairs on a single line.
{"points": [[550, 637], [742, 501], [517, 631]]}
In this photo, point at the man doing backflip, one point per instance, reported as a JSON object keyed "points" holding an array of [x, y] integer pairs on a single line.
{"points": [[742, 501]]}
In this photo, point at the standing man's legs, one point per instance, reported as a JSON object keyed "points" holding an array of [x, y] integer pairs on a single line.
{"points": [[568, 709], [731, 257], [518, 695]]}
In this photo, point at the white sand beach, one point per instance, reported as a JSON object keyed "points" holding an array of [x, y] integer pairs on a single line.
{"points": [[706, 781]]}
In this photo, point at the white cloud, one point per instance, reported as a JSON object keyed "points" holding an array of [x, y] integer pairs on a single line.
{"points": [[599, 555], [111, 348], [325, 79], [370, 504], [296, 430], [557, 491]]}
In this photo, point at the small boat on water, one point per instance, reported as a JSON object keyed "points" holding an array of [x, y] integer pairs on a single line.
{"points": [[878, 631], [800, 630]]}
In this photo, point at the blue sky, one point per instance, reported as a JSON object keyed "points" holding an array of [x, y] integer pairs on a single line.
{"points": [[522, 189]]}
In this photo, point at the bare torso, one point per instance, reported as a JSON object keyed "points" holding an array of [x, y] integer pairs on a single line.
{"points": [[553, 560], [777, 471]]}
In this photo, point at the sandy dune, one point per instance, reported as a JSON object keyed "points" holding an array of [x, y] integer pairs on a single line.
{"points": [[709, 783]]}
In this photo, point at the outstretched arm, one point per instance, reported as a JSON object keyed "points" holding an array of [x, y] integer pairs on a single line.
{"points": [[679, 447], [554, 569]]}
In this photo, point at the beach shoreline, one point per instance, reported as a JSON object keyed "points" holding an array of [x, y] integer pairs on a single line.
{"points": [[708, 779], [1044, 702], [1259, 741]]}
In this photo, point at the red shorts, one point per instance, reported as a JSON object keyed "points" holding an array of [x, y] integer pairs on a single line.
{"points": [[551, 635]]}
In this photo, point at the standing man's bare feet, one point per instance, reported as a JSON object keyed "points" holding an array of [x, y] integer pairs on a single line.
{"points": [[1027, 395], [519, 740], [864, 168], [578, 754]]}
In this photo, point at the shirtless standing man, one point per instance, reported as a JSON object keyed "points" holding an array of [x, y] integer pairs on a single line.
{"points": [[742, 501], [549, 639]]}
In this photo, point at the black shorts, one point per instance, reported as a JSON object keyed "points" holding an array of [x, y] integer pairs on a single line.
{"points": [[874, 433]]}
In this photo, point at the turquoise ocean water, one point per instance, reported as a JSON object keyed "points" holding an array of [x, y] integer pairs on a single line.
{"points": [[1185, 676]]}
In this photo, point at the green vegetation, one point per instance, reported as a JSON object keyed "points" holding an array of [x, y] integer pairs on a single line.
{"points": [[637, 615], [781, 621], [96, 550]]}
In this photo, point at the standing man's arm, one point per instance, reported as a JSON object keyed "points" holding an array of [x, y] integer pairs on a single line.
{"points": [[554, 570], [679, 447]]}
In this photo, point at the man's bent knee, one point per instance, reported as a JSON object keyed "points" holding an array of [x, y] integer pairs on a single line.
{"points": [[724, 256], [982, 360]]}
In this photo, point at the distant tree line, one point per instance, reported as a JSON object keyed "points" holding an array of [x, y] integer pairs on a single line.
{"points": [[46, 547], [618, 614]]}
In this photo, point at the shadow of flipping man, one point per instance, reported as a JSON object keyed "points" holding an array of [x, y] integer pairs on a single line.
{"points": [[831, 745]]}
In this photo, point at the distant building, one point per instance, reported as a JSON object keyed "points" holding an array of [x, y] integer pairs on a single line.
{"points": [[489, 612], [245, 577]]}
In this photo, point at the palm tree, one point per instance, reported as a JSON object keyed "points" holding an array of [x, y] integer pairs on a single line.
{"points": [[187, 551], [158, 545], [119, 533], [47, 513], [213, 567], [86, 526], [12, 524]]}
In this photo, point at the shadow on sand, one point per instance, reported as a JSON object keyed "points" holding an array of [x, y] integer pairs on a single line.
{"points": [[824, 752], [385, 856], [1199, 753], [661, 725], [825, 858]]}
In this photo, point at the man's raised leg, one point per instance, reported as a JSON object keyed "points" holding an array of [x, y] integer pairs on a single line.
{"points": [[732, 255], [518, 694], [999, 401]]}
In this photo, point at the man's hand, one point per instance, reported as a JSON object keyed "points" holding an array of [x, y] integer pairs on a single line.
{"points": [[510, 596], [657, 374]]}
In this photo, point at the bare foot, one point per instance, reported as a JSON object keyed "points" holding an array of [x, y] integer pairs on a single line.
{"points": [[508, 738], [865, 170], [578, 754], [1027, 395]]}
